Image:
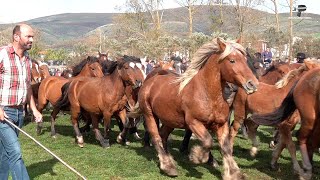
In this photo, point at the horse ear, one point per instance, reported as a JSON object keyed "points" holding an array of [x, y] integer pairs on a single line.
{"points": [[239, 40], [99, 53], [221, 44], [160, 63]]}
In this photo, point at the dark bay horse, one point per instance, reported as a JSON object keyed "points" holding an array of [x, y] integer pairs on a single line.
{"points": [[50, 88], [304, 96], [194, 101], [107, 95]]}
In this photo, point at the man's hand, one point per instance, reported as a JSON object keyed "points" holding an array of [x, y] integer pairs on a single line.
{"points": [[2, 114], [37, 115]]}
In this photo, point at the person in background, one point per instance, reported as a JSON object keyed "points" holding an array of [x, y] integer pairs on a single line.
{"points": [[15, 92], [267, 56], [300, 57], [150, 66]]}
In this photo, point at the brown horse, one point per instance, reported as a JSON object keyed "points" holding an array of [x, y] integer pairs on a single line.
{"points": [[50, 88], [270, 76], [194, 101], [107, 95], [267, 99], [303, 96], [39, 71]]}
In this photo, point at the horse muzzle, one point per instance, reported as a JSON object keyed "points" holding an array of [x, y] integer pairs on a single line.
{"points": [[250, 87]]}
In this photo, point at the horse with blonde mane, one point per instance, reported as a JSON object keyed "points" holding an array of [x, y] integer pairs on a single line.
{"points": [[194, 101]]}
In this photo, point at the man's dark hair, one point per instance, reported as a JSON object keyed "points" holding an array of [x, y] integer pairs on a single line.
{"points": [[16, 30]]}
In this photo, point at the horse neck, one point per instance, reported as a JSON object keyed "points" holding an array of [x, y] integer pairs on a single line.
{"points": [[210, 76], [117, 83], [85, 72]]}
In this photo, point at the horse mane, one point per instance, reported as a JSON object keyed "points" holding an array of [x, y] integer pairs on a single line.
{"points": [[202, 55], [77, 68], [290, 75], [108, 67], [131, 59]]}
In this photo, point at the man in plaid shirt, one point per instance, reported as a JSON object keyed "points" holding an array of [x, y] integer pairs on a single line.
{"points": [[15, 92]]}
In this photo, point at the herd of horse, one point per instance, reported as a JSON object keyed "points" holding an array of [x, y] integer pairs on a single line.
{"points": [[222, 77]]}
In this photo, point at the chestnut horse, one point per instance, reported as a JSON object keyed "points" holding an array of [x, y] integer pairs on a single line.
{"points": [[270, 76], [50, 88], [107, 95], [267, 99], [303, 96], [39, 71], [194, 101]]}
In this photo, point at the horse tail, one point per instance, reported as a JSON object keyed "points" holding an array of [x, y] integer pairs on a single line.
{"points": [[285, 110], [134, 111], [63, 102]]}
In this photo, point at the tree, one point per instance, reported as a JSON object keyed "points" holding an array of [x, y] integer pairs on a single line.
{"points": [[59, 54], [191, 6], [245, 14]]}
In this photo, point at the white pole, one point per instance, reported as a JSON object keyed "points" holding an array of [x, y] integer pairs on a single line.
{"points": [[64, 163]]}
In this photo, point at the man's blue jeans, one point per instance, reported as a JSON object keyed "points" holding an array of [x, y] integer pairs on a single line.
{"points": [[10, 152]]}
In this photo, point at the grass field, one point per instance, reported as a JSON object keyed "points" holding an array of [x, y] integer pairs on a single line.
{"points": [[136, 162]]}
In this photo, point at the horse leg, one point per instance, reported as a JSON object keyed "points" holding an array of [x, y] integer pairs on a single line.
{"points": [[231, 169], [276, 153], [185, 142], [54, 113], [235, 128], [75, 111], [106, 124], [303, 136], [146, 138], [122, 137], [252, 133], [87, 119], [97, 133], [285, 133], [164, 133], [167, 163]]}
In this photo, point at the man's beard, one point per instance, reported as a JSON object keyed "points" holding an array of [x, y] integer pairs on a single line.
{"points": [[27, 46]]}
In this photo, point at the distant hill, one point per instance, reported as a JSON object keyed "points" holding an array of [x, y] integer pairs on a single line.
{"points": [[61, 27]]}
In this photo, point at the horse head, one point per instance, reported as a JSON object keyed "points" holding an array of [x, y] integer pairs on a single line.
{"points": [[103, 56], [43, 70], [88, 67], [233, 66], [130, 73]]}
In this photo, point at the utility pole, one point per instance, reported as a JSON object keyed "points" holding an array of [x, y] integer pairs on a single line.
{"points": [[291, 32]]}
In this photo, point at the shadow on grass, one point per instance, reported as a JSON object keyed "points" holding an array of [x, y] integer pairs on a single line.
{"points": [[40, 168], [181, 160]]}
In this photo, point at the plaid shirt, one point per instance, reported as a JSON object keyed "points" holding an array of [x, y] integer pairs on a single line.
{"points": [[15, 77]]}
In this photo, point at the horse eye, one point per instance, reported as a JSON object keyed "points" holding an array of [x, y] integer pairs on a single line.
{"points": [[232, 61]]}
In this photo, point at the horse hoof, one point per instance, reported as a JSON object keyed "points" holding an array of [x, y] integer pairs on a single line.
{"points": [[253, 151], [215, 164], [54, 136], [81, 145], [105, 143], [119, 139], [127, 143], [198, 155], [275, 167], [272, 145], [172, 172], [136, 136]]}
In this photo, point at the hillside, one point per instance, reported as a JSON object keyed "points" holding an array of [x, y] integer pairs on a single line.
{"points": [[58, 28]]}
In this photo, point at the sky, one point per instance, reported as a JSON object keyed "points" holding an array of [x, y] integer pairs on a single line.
{"points": [[22, 10]]}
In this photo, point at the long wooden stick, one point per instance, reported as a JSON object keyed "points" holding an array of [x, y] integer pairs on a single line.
{"points": [[64, 163]]}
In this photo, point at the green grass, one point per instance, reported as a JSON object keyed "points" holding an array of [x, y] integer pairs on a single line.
{"points": [[136, 162]]}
